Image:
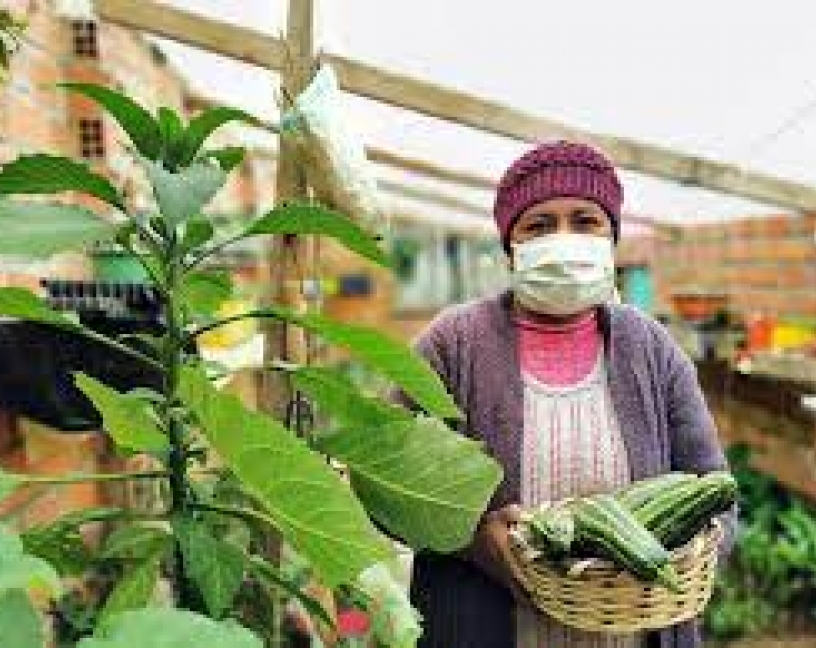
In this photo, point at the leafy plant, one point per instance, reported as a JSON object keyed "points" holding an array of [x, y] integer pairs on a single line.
{"points": [[770, 579], [231, 474]]}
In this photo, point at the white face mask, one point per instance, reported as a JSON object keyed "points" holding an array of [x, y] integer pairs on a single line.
{"points": [[563, 274]]}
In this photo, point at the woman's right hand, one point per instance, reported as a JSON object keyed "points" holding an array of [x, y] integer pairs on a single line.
{"points": [[490, 550]]}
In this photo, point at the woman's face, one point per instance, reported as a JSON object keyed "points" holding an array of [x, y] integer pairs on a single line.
{"points": [[564, 215]]}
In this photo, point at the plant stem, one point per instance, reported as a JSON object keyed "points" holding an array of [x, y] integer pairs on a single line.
{"points": [[82, 478], [258, 313]]}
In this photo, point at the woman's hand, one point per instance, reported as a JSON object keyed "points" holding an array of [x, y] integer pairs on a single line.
{"points": [[490, 550]]}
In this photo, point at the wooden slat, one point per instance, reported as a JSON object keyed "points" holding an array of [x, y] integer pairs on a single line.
{"points": [[431, 170], [198, 31], [458, 107]]}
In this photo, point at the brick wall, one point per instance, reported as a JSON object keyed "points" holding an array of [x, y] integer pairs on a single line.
{"points": [[764, 265]]}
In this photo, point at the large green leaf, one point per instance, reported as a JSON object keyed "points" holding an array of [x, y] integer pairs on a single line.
{"points": [[8, 484], [135, 542], [135, 120], [20, 625], [341, 400], [136, 588], [304, 218], [205, 123], [169, 628], [425, 483], [23, 304], [380, 352], [215, 566], [203, 292], [19, 570], [309, 503], [126, 419], [40, 229], [49, 174], [183, 194]]}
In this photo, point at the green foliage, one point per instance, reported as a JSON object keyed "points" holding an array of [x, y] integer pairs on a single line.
{"points": [[416, 477], [23, 304], [298, 217], [771, 575], [136, 588], [310, 504], [42, 229], [137, 122], [51, 174], [378, 351], [203, 292], [135, 542], [182, 195], [167, 628], [412, 474], [216, 566], [129, 420], [8, 484], [20, 624], [20, 570]]}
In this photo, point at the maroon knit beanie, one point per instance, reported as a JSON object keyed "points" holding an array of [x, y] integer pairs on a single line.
{"points": [[557, 169]]}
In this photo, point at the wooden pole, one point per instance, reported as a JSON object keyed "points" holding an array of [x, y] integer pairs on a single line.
{"points": [[288, 255]]}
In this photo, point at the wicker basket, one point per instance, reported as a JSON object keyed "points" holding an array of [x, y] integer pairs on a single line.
{"points": [[597, 596]]}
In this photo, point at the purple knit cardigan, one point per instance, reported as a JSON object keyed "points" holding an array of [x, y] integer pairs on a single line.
{"points": [[664, 420]]}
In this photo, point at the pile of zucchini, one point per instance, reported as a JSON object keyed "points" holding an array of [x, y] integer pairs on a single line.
{"points": [[635, 528]]}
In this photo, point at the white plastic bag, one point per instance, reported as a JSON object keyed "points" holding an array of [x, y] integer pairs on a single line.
{"points": [[336, 163], [394, 622]]}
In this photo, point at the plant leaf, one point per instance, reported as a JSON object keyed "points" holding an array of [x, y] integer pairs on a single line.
{"points": [[391, 358], [425, 483], [205, 123], [309, 503], [172, 132], [41, 229], [303, 218], [341, 400], [183, 195], [19, 570], [135, 120], [127, 420], [135, 590], [274, 578], [20, 624], [60, 545], [196, 233], [227, 157], [23, 304], [169, 628], [135, 542], [8, 484], [49, 174], [216, 566], [203, 292]]}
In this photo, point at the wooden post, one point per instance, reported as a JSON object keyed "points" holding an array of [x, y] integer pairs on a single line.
{"points": [[287, 254]]}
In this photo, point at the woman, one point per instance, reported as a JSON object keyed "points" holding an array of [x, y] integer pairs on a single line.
{"points": [[570, 392]]}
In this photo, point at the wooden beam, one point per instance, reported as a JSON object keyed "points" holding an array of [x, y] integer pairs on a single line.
{"points": [[456, 205], [431, 170], [458, 107], [195, 30]]}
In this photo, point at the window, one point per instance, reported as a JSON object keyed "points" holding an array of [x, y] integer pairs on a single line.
{"points": [[91, 139], [86, 42]]}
